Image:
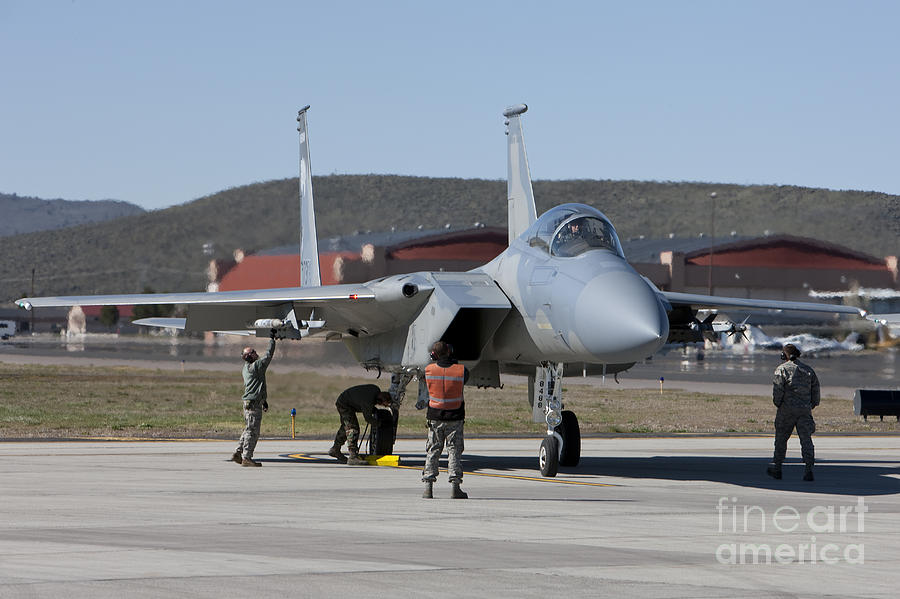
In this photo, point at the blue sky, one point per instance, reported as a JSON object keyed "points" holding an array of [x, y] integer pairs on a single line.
{"points": [[159, 103]]}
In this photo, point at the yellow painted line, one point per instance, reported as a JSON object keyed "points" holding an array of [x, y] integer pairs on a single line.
{"points": [[559, 481]]}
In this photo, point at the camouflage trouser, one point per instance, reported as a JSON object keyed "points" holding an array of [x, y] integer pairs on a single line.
{"points": [[348, 431], [253, 418], [788, 418], [440, 432]]}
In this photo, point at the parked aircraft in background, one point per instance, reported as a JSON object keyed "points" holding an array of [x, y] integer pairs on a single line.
{"points": [[806, 343], [560, 300]]}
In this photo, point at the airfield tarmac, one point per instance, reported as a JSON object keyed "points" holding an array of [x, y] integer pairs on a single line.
{"points": [[640, 517]]}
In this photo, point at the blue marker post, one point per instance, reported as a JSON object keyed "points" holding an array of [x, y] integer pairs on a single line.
{"points": [[661, 380], [293, 413]]}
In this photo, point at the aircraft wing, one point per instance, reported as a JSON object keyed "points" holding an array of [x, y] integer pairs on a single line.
{"points": [[893, 318], [351, 309], [247, 297], [697, 301]]}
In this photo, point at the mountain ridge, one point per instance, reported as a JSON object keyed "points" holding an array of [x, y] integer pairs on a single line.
{"points": [[26, 214], [164, 249]]}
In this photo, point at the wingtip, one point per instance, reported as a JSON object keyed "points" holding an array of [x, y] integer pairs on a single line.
{"points": [[514, 110]]}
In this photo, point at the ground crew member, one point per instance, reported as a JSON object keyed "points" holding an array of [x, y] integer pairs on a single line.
{"points": [[446, 414], [795, 392], [254, 398], [363, 399]]}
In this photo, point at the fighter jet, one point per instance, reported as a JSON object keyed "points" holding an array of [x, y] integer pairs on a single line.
{"points": [[561, 299], [808, 344]]}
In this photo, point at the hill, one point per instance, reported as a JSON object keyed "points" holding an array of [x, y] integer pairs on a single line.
{"points": [[25, 214], [164, 249]]}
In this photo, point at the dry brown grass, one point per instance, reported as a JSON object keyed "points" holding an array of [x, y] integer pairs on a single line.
{"points": [[66, 401]]}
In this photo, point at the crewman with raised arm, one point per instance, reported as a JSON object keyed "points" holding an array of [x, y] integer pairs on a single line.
{"points": [[254, 400]]}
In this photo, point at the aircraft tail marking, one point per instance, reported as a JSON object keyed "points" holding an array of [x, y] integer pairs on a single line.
{"points": [[309, 245], [520, 195]]}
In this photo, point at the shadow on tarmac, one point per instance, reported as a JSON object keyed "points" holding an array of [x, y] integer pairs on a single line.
{"points": [[833, 477]]}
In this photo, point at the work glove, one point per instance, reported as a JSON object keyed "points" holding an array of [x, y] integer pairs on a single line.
{"points": [[265, 406]]}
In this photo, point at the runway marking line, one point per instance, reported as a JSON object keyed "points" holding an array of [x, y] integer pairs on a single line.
{"points": [[559, 481]]}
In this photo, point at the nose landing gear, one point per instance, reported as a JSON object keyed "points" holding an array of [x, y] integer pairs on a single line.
{"points": [[562, 445]]}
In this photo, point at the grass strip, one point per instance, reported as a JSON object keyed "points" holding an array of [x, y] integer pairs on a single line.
{"points": [[73, 402]]}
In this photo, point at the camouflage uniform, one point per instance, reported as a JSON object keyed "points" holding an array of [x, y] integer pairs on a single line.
{"points": [[254, 397], [445, 426], [795, 392], [361, 398], [439, 433]]}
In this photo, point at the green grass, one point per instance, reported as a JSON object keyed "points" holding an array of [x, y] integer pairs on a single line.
{"points": [[67, 401]]}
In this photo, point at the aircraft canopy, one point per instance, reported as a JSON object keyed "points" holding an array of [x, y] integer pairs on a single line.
{"points": [[572, 229]]}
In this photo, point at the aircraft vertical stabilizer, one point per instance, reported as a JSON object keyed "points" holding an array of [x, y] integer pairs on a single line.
{"points": [[309, 245], [520, 195]]}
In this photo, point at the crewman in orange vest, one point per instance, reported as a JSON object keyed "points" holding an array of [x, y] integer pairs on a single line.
{"points": [[446, 414]]}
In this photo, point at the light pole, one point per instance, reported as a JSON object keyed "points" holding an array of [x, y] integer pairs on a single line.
{"points": [[32, 295], [712, 236]]}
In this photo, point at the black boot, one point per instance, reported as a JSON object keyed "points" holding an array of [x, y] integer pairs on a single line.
{"points": [[808, 475], [427, 493], [355, 460], [458, 493], [335, 452], [774, 471]]}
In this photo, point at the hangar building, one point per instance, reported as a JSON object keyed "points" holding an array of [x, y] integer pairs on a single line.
{"points": [[780, 267]]}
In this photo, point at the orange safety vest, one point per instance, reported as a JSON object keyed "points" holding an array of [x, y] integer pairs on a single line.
{"points": [[445, 386]]}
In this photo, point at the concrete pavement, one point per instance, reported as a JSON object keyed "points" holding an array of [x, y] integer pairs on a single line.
{"points": [[640, 517]]}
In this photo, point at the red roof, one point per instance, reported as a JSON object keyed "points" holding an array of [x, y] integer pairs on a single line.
{"points": [[94, 311], [274, 272], [786, 251]]}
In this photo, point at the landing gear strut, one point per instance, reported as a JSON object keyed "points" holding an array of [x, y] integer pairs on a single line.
{"points": [[562, 445]]}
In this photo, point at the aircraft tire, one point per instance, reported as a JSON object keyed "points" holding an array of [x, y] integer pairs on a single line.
{"points": [[383, 434], [570, 432], [548, 456]]}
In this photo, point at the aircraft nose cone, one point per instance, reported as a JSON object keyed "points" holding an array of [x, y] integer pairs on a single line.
{"points": [[619, 318]]}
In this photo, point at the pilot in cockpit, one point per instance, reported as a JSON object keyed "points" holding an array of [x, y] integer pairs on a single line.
{"points": [[570, 232], [570, 237]]}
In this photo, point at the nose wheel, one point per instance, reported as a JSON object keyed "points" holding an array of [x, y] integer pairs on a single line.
{"points": [[548, 456], [571, 435]]}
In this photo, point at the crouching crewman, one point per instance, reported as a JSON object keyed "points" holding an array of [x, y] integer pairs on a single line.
{"points": [[363, 399]]}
